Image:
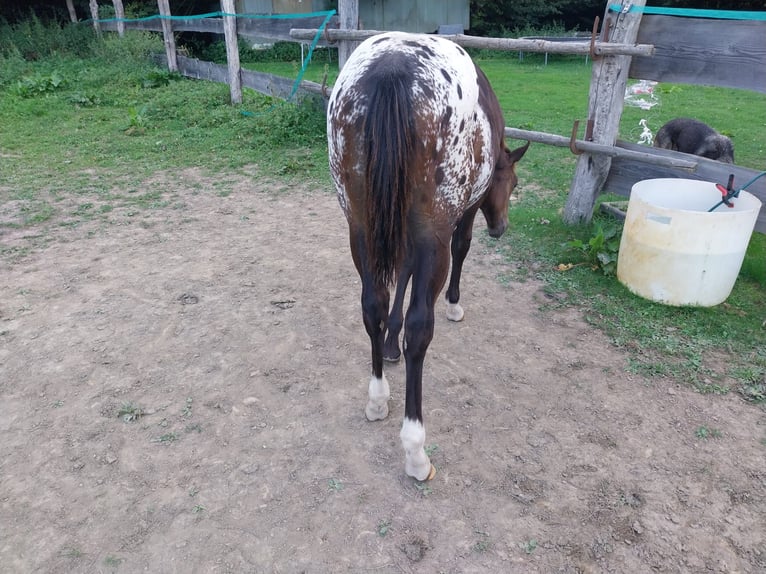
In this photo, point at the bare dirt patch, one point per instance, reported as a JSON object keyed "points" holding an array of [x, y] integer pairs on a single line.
{"points": [[183, 390]]}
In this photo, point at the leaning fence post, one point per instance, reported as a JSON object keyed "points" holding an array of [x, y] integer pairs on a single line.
{"points": [[119, 12], [232, 50], [609, 77], [167, 34], [94, 15], [348, 13]]}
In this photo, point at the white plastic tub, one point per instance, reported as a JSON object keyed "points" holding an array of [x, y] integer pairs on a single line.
{"points": [[674, 251]]}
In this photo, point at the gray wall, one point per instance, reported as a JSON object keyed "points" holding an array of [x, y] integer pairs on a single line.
{"points": [[280, 6], [413, 15]]}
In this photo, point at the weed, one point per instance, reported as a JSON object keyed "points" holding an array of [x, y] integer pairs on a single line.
{"points": [[753, 392], [198, 508], [384, 526], [136, 121], [57, 404], [84, 100], [72, 552], [39, 84], [705, 433], [752, 385], [601, 249], [196, 427], [529, 546], [130, 412], [167, 438], [424, 488], [335, 485], [431, 449], [157, 78], [112, 561], [187, 411], [706, 387], [483, 543]]}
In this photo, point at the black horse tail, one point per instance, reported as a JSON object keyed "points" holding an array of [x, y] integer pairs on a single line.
{"points": [[389, 133]]}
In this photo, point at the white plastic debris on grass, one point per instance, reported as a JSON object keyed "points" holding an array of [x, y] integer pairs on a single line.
{"points": [[641, 95], [646, 137]]}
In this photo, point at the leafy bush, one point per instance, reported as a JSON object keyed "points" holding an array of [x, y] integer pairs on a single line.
{"points": [[32, 39], [600, 251], [39, 84], [131, 47], [277, 52]]}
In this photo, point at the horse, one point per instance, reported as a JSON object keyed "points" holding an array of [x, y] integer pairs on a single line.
{"points": [[416, 148]]}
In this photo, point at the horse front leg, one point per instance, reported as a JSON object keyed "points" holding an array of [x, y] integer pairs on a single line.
{"points": [[391, 352], [375, 315], [429, 272], [461, 243]]}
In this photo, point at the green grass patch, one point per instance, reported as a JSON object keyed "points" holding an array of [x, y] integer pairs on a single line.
{"points": [[696, 345]]}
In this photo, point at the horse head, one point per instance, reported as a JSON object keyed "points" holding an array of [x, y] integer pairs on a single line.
{"points": [[504, 180]]}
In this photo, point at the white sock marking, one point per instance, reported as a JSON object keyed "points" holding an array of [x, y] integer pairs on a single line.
{"points": [[417, 463], [378, 393], [455, 312]]}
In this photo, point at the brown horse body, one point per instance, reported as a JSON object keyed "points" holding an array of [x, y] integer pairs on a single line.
{"points": [[416, 142]]}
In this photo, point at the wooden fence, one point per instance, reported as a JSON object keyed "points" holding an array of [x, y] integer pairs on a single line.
{"points": [[661, 47], [225, 23]]}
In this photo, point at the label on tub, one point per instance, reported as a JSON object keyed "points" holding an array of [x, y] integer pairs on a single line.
{"points": [[664, 219]]}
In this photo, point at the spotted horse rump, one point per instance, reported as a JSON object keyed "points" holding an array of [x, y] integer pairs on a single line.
{"points": [[416, 149]]}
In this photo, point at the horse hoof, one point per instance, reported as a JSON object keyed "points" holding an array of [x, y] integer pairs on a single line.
{"points": [[392, 359], [455, 312], [431, 473], [376, 412]]}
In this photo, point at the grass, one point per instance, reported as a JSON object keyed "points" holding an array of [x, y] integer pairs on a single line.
{"points": [[119, 120]]}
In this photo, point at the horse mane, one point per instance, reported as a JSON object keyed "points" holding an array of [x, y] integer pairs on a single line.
{"points": [[389, 133]]}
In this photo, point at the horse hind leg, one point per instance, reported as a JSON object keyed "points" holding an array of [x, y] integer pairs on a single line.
{"points": [[429, 274], [375, 310], [374, 313]]}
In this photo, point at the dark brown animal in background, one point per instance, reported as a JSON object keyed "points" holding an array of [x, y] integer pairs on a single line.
{"points": [[688, 135]]}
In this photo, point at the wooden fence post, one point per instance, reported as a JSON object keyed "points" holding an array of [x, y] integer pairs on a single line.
{"points": [[348, 13], [94, 15], [605, 101], [167, 34], [119, 12], [72, 12], [232, 50]]}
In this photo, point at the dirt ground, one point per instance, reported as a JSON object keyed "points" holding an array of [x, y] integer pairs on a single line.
{"points": [[183, 390]]}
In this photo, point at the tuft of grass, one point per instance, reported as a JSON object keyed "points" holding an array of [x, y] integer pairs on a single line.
{"points": [[484, 542], [167, 438], [72, 552], [529, 546], [424, 488], [384, 527], [704, 432], [130, 412]]}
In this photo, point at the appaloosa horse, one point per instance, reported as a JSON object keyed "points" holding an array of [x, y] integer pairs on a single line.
{"points": [[416, 142]]}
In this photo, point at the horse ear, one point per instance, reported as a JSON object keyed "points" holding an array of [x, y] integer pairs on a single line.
{"points": [[517, 154]]}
